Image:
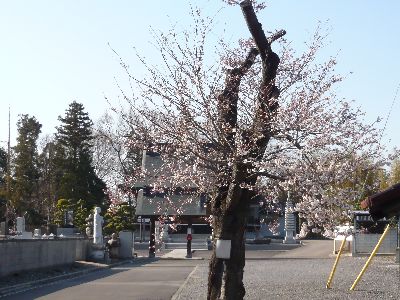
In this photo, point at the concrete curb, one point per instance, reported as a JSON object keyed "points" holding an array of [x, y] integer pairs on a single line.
{"points": [[177, 294], [181, 258], [170, 258], [26, 286]]}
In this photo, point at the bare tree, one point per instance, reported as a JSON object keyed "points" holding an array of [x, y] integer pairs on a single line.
{"points": [[113, 157]]}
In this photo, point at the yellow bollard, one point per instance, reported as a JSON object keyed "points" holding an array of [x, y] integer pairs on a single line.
{"points": [[328, 284], [370, 258]]}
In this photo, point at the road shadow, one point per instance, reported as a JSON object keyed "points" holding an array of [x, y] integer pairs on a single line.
{"points": [[30, 290]]}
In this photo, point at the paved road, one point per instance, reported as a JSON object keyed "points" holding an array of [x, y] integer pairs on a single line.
{"points": [[155, 280], [309, 249]]}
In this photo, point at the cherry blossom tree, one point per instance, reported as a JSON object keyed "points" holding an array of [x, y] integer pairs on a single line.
{"points": [[243, 121]]}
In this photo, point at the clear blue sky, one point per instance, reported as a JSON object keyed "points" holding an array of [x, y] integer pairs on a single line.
{"points": [[54, 52]]}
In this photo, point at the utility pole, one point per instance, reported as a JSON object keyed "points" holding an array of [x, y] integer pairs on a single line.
{"points": [[8, 170]]}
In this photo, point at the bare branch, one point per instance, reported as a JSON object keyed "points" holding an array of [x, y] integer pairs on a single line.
{"points": [[266, 174], [277, 35], [255, 28], [228, 99]]}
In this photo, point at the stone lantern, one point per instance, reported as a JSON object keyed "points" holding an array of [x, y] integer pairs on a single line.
{"points": [[290, 222]]}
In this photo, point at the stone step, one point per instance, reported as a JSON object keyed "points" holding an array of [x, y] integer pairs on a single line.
{"points": [[195, 246]]}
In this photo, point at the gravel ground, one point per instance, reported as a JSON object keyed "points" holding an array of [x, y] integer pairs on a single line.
{"points": [[306, 279]]}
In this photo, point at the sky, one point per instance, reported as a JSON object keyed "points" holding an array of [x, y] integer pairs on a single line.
{"points": [[55, 52]]}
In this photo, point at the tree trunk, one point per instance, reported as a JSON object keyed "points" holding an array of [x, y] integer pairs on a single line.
{"points": [[233, 228], [234, 288], [230, 206], [216, 270]]}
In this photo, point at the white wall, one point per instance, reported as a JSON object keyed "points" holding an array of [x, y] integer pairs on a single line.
{"points": [[365, 242]]}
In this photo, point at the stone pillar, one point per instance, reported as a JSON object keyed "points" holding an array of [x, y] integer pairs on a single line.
{"points": [[157, 232], [3, 228], [20, 224], [152, 243], [126, 238], [290, 222], [22, 234], [97, 227], [89, 225], [165, 235]]}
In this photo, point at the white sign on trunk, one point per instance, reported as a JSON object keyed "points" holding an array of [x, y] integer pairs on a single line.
{"points": [[223, 249]]}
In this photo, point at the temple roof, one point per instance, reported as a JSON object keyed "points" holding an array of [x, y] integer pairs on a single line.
{"points": [[384, 204]]}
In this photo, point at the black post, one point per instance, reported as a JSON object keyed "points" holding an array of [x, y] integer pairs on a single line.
{"points": [[141, 229], [189, 239], [152, 244], [398, 241]]}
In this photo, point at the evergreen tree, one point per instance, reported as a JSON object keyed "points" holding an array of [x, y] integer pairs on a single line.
{"points": [[383, 179], [81, 212], [3, 187], [3, 167], [395, 172], [62, 208], [26, 171], [119, 216], [79, 180]]}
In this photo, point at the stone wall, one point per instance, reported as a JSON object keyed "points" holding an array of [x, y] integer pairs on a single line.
{"points": [[20, 255]]}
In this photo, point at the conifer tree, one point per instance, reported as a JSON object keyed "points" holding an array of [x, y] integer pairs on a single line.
{"points": [[79, 180], [3, 166], [3, 190]]}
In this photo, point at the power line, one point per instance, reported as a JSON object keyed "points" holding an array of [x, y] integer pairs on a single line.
{"points": [[390, 111], [380, 138]]}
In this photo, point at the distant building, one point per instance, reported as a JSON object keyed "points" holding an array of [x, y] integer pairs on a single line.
{"points": [[185, 205]]}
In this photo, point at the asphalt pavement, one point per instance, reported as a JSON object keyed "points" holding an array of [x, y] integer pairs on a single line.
{"points": [[153, 279]]}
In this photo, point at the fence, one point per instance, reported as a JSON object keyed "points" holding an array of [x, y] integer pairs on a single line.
{"points": [[364, 243]]}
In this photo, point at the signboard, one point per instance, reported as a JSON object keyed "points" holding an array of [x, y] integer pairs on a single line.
{"points": [[223, 249]]}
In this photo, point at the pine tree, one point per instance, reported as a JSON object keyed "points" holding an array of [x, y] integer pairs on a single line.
{"points": [[119, 216], [79, 180], [3, 167], [3, 187], [80, 214]]}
